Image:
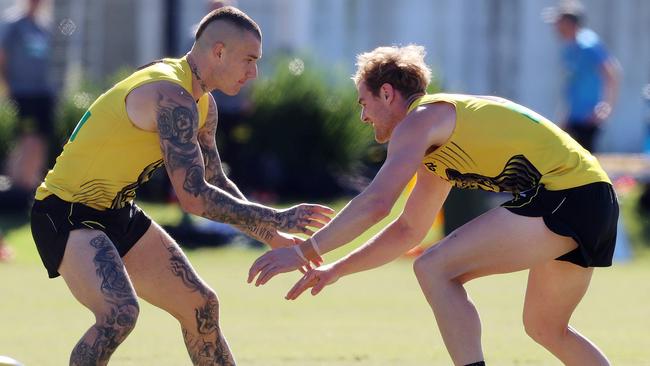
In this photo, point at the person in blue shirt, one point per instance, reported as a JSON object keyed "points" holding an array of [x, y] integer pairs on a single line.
{"points": [[25, 59], [591, 74]]}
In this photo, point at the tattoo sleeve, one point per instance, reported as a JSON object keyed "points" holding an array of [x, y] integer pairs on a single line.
{"points": [[177, 120]]}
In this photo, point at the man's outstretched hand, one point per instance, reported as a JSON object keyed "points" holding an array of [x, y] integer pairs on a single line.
{"points": [[298, 219], [278, 261], [316, 279]]}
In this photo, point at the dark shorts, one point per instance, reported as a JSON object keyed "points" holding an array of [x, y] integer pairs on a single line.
{"points": [[588, 214], [36, 114], [53, 219], [584, 132]]}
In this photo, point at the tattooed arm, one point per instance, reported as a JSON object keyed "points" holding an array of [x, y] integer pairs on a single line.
{"points": [[215, 175], [177, 124]]}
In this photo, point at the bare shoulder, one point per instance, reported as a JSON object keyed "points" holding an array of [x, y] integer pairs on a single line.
{"points": [[144, 102], [434, 123]]}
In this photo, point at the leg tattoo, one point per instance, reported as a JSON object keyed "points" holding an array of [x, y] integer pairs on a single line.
{"points": [[208, 346], [101, 340]]}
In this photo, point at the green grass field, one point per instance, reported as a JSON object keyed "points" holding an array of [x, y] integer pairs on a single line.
{"points": [[374, 318]]}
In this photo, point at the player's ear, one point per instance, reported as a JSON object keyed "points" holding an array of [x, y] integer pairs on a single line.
{"points": [[387, 92], [217, 50]]}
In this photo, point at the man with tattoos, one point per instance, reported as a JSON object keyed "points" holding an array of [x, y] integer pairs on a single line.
{"points": [[87, 227]]}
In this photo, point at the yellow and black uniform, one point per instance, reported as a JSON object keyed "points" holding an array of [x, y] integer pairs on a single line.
{"points": [[93, 182], [500, 146]]}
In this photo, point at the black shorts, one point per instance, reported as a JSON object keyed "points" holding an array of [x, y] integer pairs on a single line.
{"points": [[52, 220], [38, 110], [588, 214]]}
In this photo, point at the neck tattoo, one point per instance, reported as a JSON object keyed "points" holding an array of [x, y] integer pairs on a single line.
{"points": [[195, 72]]}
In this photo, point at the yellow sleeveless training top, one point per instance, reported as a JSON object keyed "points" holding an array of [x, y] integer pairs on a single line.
{"points": [[106, 157], [500, 146]]}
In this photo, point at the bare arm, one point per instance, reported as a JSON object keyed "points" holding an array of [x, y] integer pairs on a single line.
{"points": [[215, 175], [177, 123], [431, 125], [610, 71], [402, 234], [428, 195]]}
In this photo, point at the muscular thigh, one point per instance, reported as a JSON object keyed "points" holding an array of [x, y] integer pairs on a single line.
{"points": [[93, 270], [162, 274], [498, 241]]}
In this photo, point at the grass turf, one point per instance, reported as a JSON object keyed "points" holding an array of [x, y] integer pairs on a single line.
{"points": [[373, 318]]}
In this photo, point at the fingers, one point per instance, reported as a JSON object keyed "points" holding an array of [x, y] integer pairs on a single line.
{"points": [[318, 287], [275, 262], [257, 266], [317, 217], [267, 273], [307, 281], [307, 231], [317, 261], [321, 209]]}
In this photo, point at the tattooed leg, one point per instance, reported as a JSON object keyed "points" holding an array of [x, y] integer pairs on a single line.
{"points": [[96, 276], [163, 276], [203, 339]]}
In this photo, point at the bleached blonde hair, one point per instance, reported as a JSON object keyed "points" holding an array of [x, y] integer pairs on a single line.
{"points": [[402, 67]]}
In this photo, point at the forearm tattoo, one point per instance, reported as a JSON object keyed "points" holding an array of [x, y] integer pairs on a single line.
{"points": [[177, 126], [99, 343], [262, 233]]}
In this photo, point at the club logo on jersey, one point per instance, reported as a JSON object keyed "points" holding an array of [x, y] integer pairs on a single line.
{"points": [[518, 175], [431, 166]]}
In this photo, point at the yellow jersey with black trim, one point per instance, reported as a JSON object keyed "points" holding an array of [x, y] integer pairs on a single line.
{"points": [[500, 146], [107, 157]]}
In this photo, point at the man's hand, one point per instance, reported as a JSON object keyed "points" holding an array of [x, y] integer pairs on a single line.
{"points": [[316, 278], [299, 218], [602, 110], [278, 261]]}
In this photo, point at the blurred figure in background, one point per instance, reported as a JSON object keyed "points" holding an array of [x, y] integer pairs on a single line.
{"points": [[25, 57], [591, 84], [5, 252]]}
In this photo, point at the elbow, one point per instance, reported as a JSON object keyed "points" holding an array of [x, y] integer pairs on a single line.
{"points": [[379, 209], [191, 205]]}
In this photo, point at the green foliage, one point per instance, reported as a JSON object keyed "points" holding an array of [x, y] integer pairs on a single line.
{"points": [[71, 109], [7, 125], [303, 134]]}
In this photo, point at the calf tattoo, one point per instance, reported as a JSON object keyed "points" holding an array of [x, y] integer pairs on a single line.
{"points": [[205, 345]]}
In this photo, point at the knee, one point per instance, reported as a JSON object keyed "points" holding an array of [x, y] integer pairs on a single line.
{"points": [[542, 330], [428, 267], [206, 314], [119, 317]]}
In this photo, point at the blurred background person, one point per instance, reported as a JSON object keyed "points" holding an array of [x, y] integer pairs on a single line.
{"points": [[5, 252], [591, 74], [25, 58]]}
